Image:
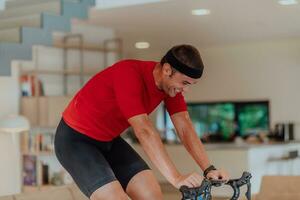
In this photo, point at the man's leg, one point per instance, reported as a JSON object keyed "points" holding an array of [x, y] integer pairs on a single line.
{"points": [[132, 172], [83, 158], [144, 186], [110, 191]]}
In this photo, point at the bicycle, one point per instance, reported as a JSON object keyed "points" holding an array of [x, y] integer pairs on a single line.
{"points": [[203, 192]]}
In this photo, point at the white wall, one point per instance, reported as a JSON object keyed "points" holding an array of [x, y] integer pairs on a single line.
{"points": [[2, 4], [9, 93], [250, 71], [265, 70], [10, 168]]}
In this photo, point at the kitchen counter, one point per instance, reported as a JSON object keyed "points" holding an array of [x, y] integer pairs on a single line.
{"points": [[258, 159]]}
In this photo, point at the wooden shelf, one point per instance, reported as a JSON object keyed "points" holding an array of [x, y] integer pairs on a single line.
{"points": [[75, 71], [85, 47], [41, 153], [28, 189]]}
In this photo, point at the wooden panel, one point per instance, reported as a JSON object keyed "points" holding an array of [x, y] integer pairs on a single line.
{"points": [[63, 194], [17, 3], [280, 185], [28, 109], [56, 105], [50, 110], [7, 198], [52, 7], [28, 20], [278, 196], [10, 35], [43, 117]]}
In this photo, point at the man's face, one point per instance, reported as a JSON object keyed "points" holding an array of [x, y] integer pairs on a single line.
{"points": [[175, 82]]}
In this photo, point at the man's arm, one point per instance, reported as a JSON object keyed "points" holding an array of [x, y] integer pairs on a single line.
{"points": [[187, 134], [151, 143], [193, 144]]}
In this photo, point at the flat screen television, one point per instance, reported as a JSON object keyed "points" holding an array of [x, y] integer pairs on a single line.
{"points": [[222, 121]]}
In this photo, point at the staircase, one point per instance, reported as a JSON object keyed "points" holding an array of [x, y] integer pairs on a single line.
{"points": [[32, 22]]}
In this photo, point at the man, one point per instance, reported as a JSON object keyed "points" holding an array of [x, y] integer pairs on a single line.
{"points": [[88, 142]]}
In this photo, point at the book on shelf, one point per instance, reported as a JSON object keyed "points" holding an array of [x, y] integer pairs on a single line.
{"points": [[37, 142], [28, 85], [45, 174], [29, 170], [35, 172]]}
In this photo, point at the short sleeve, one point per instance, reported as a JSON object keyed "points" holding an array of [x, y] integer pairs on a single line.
{"points": [[175, 104], [129, 88]]}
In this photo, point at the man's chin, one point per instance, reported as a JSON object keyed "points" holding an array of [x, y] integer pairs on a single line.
{"points": [[171, 95]]}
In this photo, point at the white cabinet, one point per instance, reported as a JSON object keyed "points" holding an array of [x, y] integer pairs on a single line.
{"points": [[272, 160], [10, 164], [260, 160]]}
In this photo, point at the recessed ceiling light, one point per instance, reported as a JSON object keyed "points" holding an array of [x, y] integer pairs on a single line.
{"points": [[200, 12], [287, 2], [142, 45]]}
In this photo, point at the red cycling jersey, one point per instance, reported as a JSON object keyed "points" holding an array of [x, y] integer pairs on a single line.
{"points": [[101, 109]]}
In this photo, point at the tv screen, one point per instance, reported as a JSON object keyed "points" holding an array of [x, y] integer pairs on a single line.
{"points": [[222, 121], [217, 119], [252, 118]]}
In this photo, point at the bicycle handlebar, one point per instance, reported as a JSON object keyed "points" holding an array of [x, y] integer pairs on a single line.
{"points": [[204, 190]]}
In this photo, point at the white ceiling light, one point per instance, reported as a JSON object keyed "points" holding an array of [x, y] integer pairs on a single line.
{"points": [[200, 12], [287, 2], [142, 45]]}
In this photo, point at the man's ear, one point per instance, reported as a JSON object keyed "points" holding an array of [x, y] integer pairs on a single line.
{"points": [[167, 69]]}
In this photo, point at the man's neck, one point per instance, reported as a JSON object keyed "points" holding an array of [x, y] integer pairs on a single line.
{"points": [[157, 76]]}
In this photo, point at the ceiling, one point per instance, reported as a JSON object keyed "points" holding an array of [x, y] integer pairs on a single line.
{"points": [[167, 23]]}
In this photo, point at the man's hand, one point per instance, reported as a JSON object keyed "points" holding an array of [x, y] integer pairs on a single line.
{"points": [[218, 174], [190, 180]]}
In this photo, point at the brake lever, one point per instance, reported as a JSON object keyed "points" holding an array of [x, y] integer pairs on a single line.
{"points": [[193, 193], [237, 183]]}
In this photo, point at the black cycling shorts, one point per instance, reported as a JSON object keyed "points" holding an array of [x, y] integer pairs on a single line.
{"points": [[93, 163]]}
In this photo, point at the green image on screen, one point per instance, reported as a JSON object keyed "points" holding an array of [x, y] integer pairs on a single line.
{"points": [[252, 118], [213, 119]]}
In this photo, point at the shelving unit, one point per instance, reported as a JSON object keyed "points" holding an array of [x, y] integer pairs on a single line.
{"points": [[44, 111], [38, 100]]}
